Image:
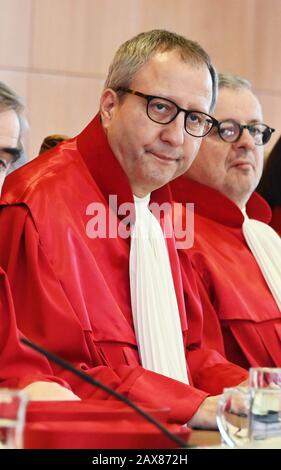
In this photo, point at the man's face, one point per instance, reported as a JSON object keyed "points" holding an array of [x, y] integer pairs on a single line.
{"points": [[9, 137], [153, 154], [232, 168]]}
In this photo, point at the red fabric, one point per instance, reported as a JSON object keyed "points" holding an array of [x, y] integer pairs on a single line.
{"points": [[92, 424], [71, 292], [103, 434], [13, 355], [276, 219], [88, 410], [241, 319]]}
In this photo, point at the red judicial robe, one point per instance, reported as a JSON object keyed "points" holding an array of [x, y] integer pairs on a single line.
{"points": [[12, 352], [276, 219], [71, 292], [241, 318]]}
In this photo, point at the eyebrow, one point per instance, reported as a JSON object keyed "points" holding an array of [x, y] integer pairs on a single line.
{"points": [[252, 122], [255, 121]]}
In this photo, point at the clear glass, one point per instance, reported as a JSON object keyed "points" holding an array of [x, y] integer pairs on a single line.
{"points": [[12, 418], [252, 417], [265, 417]]}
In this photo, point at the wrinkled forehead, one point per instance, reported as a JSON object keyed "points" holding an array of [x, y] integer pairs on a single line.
{"points": [[240, 104], [9, 128], [167, 74]]}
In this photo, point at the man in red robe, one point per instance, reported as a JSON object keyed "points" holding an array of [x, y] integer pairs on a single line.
{"points": [[63, 234], [241, 301], [11, 128]]}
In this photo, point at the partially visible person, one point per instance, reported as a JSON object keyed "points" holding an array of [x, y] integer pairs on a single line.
{"points": [[12, 124], [270, 185], [236, 256], [110, 304], [51, 141], [14, 356]]}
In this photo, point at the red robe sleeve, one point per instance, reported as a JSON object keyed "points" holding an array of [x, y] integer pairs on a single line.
{"points": [[17, 363], [44, 314]]}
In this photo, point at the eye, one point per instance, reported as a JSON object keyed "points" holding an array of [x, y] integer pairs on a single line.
{"points": [[3, 165], [161, 107], [8, 155], [255, 130], [195, 120], [227, 130]]}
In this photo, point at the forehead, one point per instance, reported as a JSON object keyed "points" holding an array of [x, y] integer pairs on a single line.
{"points": [[241, 105], [167, 75], [9, 128]]}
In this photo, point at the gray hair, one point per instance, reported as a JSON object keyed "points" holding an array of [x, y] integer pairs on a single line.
{"points": [[10, 100], [233, 82], [134, 53]]}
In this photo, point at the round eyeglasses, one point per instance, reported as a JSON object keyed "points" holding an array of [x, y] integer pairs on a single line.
{"points": [[164, 111], [231, 131]]}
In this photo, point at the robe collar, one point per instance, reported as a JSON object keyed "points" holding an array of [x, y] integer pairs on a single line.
{"points": [[215, 205], [100, 161]]}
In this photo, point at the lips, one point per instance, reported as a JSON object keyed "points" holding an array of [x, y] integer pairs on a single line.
{"points": [[241, 164], [164, 158]]}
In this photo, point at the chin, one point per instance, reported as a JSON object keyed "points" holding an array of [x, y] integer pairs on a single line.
{"points": [[155, 182]]}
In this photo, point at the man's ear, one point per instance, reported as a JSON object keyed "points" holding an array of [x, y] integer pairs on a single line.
{"points": [[109, 100]]}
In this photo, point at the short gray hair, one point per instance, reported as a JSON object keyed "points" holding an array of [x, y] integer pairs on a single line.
{"points": [[233, 82], [135, 52], [10, 100]]}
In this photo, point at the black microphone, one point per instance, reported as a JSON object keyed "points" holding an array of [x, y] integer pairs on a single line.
{"points": [[66, 365]]}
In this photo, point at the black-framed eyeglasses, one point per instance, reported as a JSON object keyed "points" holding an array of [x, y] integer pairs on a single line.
{"points": [[231, 131], [164, 111]]}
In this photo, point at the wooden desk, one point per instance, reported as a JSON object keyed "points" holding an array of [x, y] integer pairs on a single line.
{"points": [[204, 438]]}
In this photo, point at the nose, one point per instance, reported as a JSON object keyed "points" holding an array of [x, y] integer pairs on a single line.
{"points": [[245, 141], [174, 132]]}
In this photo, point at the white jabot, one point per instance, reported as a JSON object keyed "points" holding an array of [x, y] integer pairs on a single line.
{"points": [[265, 244], [154, 303]]}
